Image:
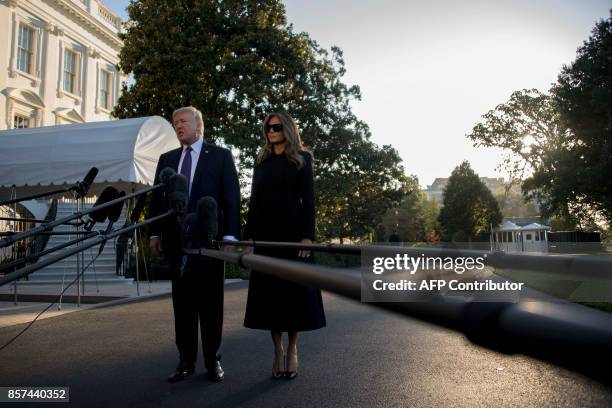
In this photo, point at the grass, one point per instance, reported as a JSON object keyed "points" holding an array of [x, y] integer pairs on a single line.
{"points": [[581, 291]]}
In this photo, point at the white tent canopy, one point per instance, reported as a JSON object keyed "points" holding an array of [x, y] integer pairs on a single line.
{"points": [[124, 151]]}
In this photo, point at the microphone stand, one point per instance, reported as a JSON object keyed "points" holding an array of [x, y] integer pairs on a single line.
{"points": [[49, 226], [95, 241]]}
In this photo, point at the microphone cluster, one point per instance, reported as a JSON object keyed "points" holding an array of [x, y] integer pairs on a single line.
{"points": [[108, 206], [200, 229]]}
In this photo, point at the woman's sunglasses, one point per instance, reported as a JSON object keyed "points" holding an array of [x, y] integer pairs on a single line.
{"points": [[277, 127]]}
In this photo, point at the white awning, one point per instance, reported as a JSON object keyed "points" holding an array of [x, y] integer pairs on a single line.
{"points": [[124, 151], [509, 226], [536, 226]]}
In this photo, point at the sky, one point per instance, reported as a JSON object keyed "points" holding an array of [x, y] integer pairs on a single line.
{"points": [[429, 70]]}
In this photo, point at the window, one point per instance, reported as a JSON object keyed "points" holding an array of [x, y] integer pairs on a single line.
{"points": [[105, 95], [25, 49], [528, 237], [70, 71], [21, 122]]}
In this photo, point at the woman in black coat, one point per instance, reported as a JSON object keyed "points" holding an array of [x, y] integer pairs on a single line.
{"points": [[281, 208]]}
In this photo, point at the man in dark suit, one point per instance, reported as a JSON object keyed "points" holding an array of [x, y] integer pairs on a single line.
{"points": [[197, 283]]}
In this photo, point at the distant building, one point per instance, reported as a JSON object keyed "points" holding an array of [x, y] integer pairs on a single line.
{"points": [[59, 61], [436, 189]]}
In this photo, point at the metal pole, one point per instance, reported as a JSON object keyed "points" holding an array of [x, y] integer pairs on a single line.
{"points": [[78, 282], [14, 195], [137, 268], [96, 240], [564, 333], [49, 226]]}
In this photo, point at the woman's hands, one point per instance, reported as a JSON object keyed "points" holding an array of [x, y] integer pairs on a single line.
{"points": [[247, 249], [304, 253]]}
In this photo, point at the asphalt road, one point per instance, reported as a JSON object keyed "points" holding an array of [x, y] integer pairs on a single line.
{"points": [[365, 357]]}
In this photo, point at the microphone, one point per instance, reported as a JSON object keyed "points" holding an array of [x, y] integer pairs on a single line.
{"points": [[82, 187], [177, 193], [138, 208], [108, 194], [165, 175], [115, 210], [122, 241], [207, 214], [114, 213]]}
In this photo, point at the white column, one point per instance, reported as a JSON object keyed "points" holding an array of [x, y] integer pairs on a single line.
{"points": [[60, 66], [97, 76], [13, 64], [89, 83]]}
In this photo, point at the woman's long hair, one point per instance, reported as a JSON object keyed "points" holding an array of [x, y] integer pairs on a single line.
{"points": [[293, 140]]}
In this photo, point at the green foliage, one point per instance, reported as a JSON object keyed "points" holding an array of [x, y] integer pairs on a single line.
{"points": [[356, 182], [512, 203], [415, 219], [583, 97], [236, 61], [527, 127], [559, 145], [468, 206]]}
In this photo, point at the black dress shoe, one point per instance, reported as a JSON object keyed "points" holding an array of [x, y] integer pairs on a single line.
{"points": [[290, 375], [182, 371], [216, 373]]}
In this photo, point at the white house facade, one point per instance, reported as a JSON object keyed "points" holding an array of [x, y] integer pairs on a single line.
{"points": [[59, 61]]}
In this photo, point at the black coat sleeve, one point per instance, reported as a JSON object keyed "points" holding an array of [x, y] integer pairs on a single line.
{"points": [[306, 191], [230, 196], [248, 231]]}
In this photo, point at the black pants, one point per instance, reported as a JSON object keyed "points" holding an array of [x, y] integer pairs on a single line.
{"points": [[197, 295]]}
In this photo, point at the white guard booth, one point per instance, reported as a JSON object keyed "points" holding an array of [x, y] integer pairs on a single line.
{"points": [[510, 237], [125, 152]]}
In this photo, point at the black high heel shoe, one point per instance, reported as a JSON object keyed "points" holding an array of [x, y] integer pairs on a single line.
{"points": [[290, 375], [276, 375]]}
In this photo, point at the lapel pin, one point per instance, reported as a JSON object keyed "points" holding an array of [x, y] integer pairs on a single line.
{"points": [[205, 151]]}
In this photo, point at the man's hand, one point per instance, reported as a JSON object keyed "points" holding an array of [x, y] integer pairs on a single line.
{"points": [[304, 253], [155, 246]]}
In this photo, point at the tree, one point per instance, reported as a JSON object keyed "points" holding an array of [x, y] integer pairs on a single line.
{"points": [[583, 97], [356, 183], [415, 219], [527, 127], [468, 205], [237, 60], [234, 60], [512, 203], [560, 144]]}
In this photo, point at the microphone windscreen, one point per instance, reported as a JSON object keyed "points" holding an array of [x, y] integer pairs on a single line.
{"points": [[177, 192], [115, 210], [207, 211], [90, 176], [165, 174], [82, 187], [138, 208], [108, 194]]}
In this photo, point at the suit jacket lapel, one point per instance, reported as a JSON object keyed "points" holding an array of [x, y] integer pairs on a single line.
{"points": [[202, 165], [175, 158]]}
